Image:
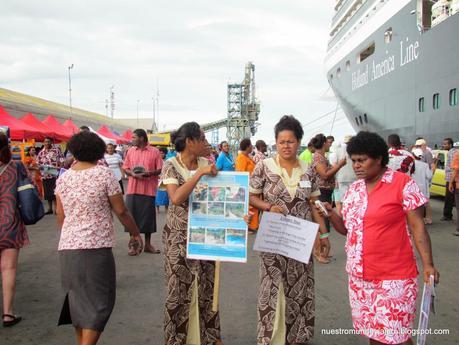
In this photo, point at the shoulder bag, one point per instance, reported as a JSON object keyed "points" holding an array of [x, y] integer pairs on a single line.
{"points": [[29, 203]]}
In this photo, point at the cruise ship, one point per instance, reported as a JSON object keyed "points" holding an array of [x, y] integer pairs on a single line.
{"points": [[394, 67]]}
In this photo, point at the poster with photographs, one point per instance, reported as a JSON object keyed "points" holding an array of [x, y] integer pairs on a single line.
{"points": [[216, 227]]}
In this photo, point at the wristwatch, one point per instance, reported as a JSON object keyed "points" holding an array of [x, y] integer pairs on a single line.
{"points": [[267, 209]]}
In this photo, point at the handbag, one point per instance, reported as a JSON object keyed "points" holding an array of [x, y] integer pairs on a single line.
{"points": [[29, 202]]}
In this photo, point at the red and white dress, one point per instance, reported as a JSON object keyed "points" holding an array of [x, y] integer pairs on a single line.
{"points": [[380, 259], [401, 160]]}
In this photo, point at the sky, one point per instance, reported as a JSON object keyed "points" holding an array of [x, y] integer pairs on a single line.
{"points": [[189, 50]]}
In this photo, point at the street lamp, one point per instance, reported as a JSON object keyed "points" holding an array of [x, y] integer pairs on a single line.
{"points": [[153, 126], [138, 101], [70, 89]]}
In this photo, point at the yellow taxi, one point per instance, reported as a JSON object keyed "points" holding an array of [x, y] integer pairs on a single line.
{"points": [[437, 186]]}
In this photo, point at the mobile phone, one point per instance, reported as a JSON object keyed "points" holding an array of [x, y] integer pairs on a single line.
{"points": [[321, 206]]}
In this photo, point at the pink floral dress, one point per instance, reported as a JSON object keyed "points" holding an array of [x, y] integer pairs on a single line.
{"points": [[380, 257], [88, 222]]}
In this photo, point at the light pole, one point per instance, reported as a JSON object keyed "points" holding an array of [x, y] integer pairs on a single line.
{"points": [[154, 127], [112, 101], [70, 90], [138, 101]]}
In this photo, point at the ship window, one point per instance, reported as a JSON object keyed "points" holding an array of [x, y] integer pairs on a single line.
{"points": [[365, 118], [424, 15], [453, 97], [348, 65], [360, 118], [338, 72], [421, 106], [367, 52], [331, 76], [356, 120], [388, 35], [436, 101]]}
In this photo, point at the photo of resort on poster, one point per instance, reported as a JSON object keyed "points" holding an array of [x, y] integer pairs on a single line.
{"points": [[216, 227]]}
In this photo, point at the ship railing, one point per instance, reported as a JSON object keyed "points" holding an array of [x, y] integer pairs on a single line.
{"points": [[351, 21], [342, 10]]}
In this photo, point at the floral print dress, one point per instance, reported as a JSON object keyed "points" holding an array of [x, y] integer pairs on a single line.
{"points": [[286, 306], [382, 309], [188, 316]]}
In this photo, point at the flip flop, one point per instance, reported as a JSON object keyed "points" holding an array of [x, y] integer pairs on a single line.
{"points": [[15, 320], [321, 259], [155, 251]]}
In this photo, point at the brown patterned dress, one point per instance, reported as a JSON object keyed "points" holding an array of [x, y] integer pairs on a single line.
{"points": [[13, 233], [286, 297], [317, 159], [189, 283]]}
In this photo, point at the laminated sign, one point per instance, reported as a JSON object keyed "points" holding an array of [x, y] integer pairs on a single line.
{"points": [[216, 227]]}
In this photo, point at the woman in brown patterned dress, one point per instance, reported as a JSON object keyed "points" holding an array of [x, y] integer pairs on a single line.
{"points": [[284, 184], [189, 318], [325, 174], [13, 234]]}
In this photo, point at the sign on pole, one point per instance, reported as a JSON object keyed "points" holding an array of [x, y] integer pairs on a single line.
{"points": [[216, 227]]}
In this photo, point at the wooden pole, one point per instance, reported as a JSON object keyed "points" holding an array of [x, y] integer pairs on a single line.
{"points": [[216, 287]]}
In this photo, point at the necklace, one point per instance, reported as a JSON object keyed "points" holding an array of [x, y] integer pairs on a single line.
{"points": [[179, 156]]}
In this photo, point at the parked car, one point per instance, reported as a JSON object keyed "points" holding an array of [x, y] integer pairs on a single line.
{"points": [[438, 180]]}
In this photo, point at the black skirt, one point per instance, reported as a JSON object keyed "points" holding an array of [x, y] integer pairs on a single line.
{"points": [[89, 282], [142, 208], [49, 185]]}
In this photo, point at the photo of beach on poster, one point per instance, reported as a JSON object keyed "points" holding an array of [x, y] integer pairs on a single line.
{"points": [[216, 227]]}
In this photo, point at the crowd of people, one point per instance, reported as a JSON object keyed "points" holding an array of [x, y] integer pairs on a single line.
{"points": [[376, 193]]}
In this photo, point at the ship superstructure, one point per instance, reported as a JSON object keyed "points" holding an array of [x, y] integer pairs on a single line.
{"points": [[394, 66]]}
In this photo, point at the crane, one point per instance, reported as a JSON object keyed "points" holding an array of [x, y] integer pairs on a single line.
{"points": [[243, 109]]}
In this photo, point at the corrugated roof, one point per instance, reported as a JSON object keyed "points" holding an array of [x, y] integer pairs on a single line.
{"points": [[18, 104]]}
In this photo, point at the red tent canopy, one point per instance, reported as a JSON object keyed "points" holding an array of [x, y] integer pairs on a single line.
{"points": [[106, 132], [31, 120], [69, 124], [18, 129], [127, 135], [57, 128]]}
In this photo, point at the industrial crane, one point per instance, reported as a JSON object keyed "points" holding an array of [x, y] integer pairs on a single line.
{"points": [[243, 110]]}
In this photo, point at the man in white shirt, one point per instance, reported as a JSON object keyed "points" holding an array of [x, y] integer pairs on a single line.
{"points": [[427, 155], [115, 163]]}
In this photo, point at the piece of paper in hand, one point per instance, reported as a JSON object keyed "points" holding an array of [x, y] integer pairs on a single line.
{"points": [[428, 295], [286, 235]]}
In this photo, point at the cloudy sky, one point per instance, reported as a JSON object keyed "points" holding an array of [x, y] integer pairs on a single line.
{"points": [[191, 49]]}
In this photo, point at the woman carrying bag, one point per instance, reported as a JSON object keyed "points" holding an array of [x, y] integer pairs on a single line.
{"points": [[13, 234]]}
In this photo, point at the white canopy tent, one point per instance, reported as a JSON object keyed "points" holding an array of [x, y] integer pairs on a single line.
{"points": [[105, 139]]}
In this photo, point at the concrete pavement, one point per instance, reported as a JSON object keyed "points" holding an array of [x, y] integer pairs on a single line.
{"points": [[138, 314]]}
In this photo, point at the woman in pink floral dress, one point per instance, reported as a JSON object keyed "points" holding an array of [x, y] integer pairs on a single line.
{"points": [[86, 195], [379, 210]]}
